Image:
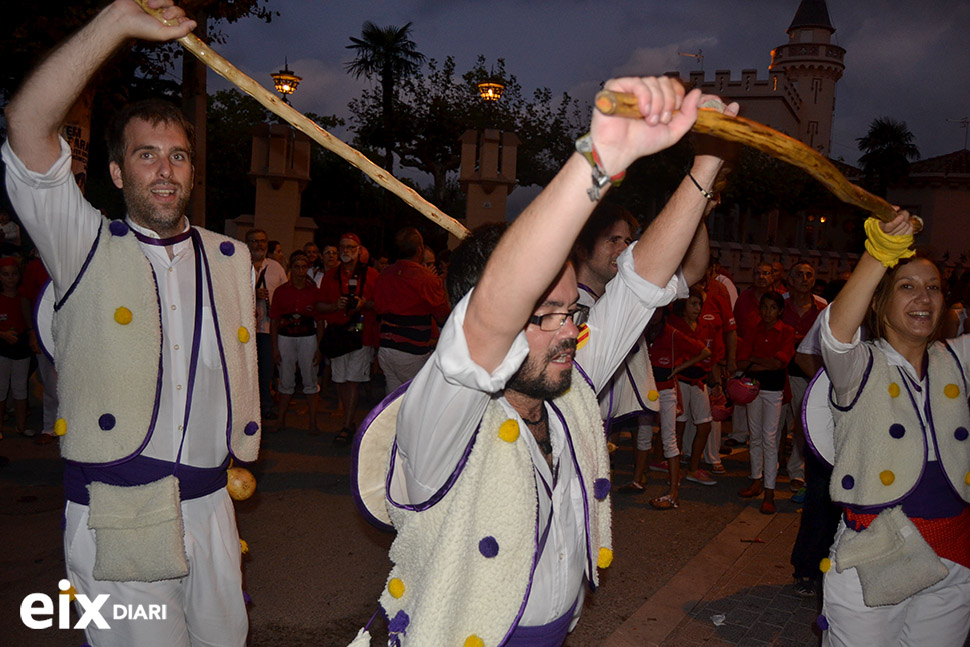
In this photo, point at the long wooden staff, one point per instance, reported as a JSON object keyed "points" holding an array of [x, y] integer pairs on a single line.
{"points": [[296, 119], [767, 140]]}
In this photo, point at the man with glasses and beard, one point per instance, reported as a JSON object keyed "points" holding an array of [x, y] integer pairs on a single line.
{"points": [[499, 475]]}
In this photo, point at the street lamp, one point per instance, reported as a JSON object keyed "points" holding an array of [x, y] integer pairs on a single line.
{"points": [[285, 81], [491, 90]]}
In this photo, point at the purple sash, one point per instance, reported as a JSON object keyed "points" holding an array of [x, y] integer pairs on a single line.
{"points": [[548, 635]]}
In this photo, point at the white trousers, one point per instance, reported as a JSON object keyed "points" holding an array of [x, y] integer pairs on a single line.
{"points": [[764, 414], [796, 462], [938, 615], [297, 352], [668, 422], [398, 366], [203, 609]]}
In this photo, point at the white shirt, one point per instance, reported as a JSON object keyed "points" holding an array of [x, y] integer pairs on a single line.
{"points": [[447, 399], [64, 226]]}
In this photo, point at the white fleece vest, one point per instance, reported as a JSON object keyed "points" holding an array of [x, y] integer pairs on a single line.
{"points": [[463, 566], [881, 445], [108, 344]]}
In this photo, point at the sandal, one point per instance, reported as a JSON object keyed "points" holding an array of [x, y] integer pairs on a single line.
{"points": [[665, 502], [631, 488]]}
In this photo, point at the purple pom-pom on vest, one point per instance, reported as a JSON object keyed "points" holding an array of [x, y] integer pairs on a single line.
{"points": [[118, 228], [601, 487], [106, 422], [251, 428], [961, 433], [227, 248], [488, 547], [822, 622], [848, 482], [897, 431]]}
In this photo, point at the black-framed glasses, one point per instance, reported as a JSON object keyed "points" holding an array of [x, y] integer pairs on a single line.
{"points": [[556, 320]]}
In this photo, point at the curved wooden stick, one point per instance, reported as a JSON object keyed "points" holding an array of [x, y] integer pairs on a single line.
{"points": [[296, 119], [768, 140]]}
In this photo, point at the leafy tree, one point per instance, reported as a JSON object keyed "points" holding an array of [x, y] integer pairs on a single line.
{"points": [[887, 150], [389, 54], [435, 107]]}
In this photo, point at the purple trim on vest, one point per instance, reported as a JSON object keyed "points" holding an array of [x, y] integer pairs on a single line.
{"points": [[590, 565], [548, 635], [858, 393], [956, 360], [932, 498], [808, 436], [538, 547], [355, 456], [196, 342], [588, 290], [194, 482], [35, 311], [200, 249], [164, 242], [87, 261], [442, 491], [583, 373]]}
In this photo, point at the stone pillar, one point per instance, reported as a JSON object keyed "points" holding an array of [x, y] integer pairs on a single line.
{"points": [[487, 174], [280, 168]]}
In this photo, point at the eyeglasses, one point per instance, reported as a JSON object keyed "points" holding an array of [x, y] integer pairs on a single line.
{"points": [[555, 320]]}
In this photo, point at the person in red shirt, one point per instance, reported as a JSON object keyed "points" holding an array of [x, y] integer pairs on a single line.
{"points": [[295, 334], [671, 352], [14, 342], [409, 297], [764, 354], [801, 309], [687, 319], [347, 296]]}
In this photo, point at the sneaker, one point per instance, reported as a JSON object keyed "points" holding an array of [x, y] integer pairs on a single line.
{"points": [[702, 477], [718, 468], [804, 586], [659, 466], [797, 484], [799, 497], [30, 433]]}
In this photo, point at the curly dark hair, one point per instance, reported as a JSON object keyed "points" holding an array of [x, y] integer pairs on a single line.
{"points": [[469, 259]]}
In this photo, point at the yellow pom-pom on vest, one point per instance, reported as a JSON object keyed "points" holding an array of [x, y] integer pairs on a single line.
{"points": [[605, 558], [243, 334], [894, 390], [887, 477], [395, 587], [243, 546], [825, 565], [509, 431], [123, 316], [474, 641], [653, 395], [951, 391], [60, 427]]}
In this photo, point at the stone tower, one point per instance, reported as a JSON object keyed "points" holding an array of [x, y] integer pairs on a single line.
{"points": [[813, 65]]}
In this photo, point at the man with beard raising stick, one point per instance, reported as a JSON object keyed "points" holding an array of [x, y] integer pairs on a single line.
{"points": [[499, 486], [153, 316]]}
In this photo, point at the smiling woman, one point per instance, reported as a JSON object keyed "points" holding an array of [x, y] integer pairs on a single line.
{"points": [[901, 467]]}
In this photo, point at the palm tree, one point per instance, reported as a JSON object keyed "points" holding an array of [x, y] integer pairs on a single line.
{"points": [[389, 54], [887, 150]]}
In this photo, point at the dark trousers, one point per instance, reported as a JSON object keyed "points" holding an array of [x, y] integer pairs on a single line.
{"points": [[820, 519], [264, 363]]}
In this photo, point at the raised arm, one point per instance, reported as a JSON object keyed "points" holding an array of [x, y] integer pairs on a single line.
{"points": [[533, 251], [35, 114], [848, 311], [665, 243]]}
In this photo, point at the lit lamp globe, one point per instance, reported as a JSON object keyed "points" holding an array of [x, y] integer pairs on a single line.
{"points": [[491, 90], [285, 81]]}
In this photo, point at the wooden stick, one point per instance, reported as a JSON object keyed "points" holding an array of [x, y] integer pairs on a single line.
{"points": [[767, 140], [296, 119]]}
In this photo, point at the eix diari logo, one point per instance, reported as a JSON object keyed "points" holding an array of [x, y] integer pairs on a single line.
{"points": [[37, 610]]}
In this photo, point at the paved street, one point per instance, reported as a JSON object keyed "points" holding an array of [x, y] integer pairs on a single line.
{"points": [[315, 568]]}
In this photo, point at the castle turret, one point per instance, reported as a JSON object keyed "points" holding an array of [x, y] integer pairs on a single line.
{"points": [[813, 64]]}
